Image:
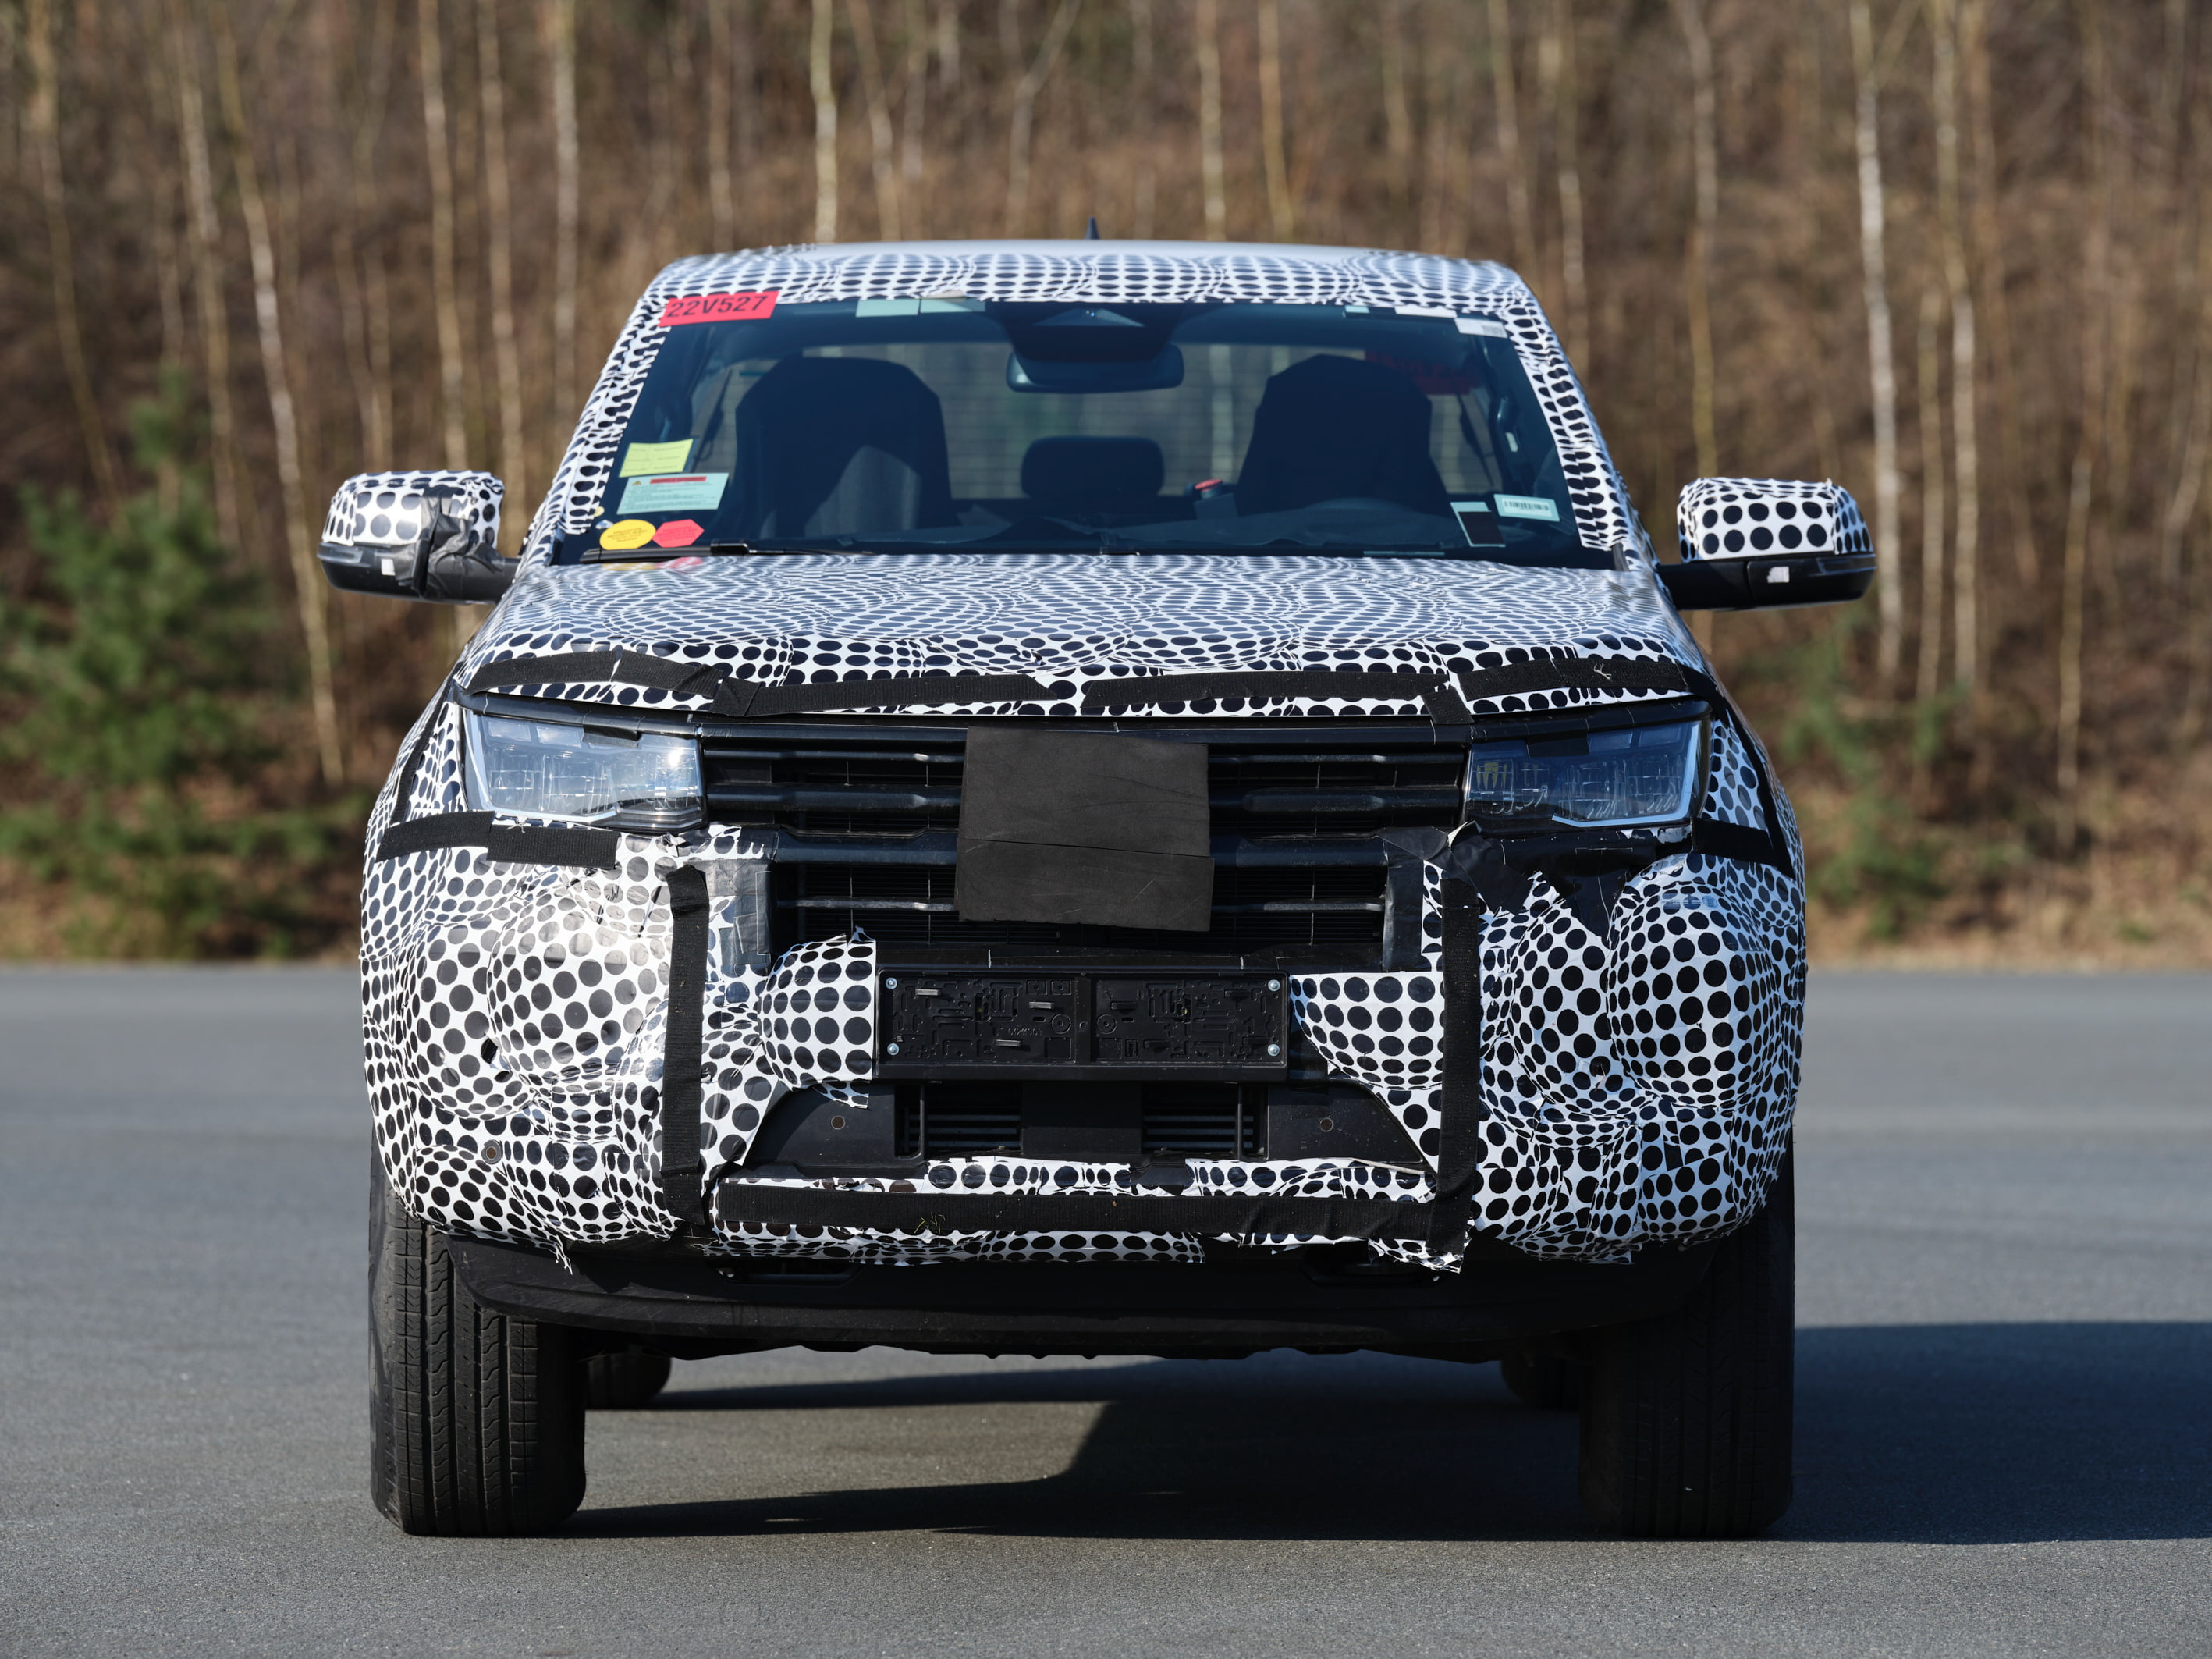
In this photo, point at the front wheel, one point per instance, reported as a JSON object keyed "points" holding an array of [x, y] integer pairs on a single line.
{"points": [[476, 1417], [1686, 1419]]}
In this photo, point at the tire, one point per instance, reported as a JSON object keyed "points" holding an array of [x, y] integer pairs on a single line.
{"points": [[1686, 1419], [1542, 1380], [476, 1417], [624, 1381]]}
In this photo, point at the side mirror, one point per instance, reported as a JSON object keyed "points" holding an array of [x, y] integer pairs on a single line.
{"points": [[1753, 544], [417, 536]]}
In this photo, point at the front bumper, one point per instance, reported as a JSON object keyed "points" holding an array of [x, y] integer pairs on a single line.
{"points": [[1240, 1302]]}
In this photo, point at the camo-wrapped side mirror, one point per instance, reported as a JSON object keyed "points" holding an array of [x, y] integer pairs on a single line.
{"points": [[429, 536], [1750, 544]]}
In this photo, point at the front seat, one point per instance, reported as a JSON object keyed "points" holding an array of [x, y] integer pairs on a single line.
{"points": [[1333, 427], [839, 446], [1082, 476]]}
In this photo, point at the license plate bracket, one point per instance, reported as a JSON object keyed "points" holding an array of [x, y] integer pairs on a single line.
{"points": [[1228, 1025]]}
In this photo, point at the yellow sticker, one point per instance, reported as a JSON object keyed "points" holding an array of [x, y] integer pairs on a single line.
{"points": [[641, 460], [630, 532]]}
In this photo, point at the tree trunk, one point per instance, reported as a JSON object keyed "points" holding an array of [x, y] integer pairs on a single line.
{"points": [[824, 89], [1888, 578], [1209, 120], [1281, 212], [1934, 508], [44, 122], [1555, 62], [1025, 97], [1704, 153], [445, 300], [561, 41], [876, 92], [1966, 442], [1397, 107], [1508, 113], [299, 534], [1144, 186], [721, 198], [499, 250]]}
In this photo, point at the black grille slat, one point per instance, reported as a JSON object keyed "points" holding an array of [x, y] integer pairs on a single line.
{"points": [[1179, 1119]]}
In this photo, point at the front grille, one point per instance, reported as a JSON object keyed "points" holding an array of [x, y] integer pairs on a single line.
{"points": [[872, 786], [1280, 913], [870, 816], [1181, 1120]]}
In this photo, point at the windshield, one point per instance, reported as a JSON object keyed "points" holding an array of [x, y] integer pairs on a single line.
{"points": [[910, 424]]}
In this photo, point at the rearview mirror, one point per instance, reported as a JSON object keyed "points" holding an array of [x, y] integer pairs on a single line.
{"points": [[1753, 544], [429, 536], [1154, 373]]}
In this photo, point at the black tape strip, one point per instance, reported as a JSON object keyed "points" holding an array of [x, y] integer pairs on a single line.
{"points": [[1459, 1101], [1738, 841], [1148, 689], [1517, 679], [744, 699], [570, 846], [929, 1211], [616, 668], [405, 792], [682, 1058]]}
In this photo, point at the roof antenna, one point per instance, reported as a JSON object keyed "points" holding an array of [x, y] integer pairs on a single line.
{"points": [[1092, 234]]}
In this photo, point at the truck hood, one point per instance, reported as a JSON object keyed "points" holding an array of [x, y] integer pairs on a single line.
{"points": [[1066, 619]]}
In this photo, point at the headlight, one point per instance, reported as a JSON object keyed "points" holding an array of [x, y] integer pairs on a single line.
{"points": [[543, 770], [1634, 775]]}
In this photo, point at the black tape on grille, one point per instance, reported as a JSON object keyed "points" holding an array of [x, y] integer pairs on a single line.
{"points": [[1459, 1101], [682, 1060], [571, 847], [930, 1211], [747, 699], [591, 667]]}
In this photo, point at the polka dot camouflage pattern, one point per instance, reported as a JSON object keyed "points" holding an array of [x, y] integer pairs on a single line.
{"points": [[1767, 517], [1638, 1073], [385, 509]]}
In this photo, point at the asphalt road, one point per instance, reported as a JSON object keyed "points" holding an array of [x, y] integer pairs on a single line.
{"points": [[2005, 1397]]}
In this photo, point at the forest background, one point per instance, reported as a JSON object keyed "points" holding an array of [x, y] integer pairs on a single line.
{"points": [[1955, 254]]}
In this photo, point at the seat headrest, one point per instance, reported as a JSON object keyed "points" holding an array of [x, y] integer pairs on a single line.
{"points": [[1101, 474], [1332, 427]]}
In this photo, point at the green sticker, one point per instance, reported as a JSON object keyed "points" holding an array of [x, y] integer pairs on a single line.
{"points": [[643, 459], [687, 492], [1512, 506]]}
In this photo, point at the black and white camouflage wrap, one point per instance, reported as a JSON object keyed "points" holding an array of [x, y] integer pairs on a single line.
{"points": [[1638, 1083], [385, 509], [1767, 517]]}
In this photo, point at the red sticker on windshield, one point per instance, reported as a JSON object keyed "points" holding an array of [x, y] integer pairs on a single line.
{"points": [[719, 308]]}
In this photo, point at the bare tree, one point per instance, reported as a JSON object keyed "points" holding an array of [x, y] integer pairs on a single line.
{"points": [[1508, 112], [1025, 96], [1965, 440], [306, 575], [1555, 68], [1934, 506], [1144, 186], [1705, 166], [2073, 617], [1397, 108], [445, 296], [207, 271], [875, 94], [1276, 157], [914, 111], [499, 256], [824, 88], [721, 197], [44, 122], [559, 18], [1872, 213], [1209, 120]]}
